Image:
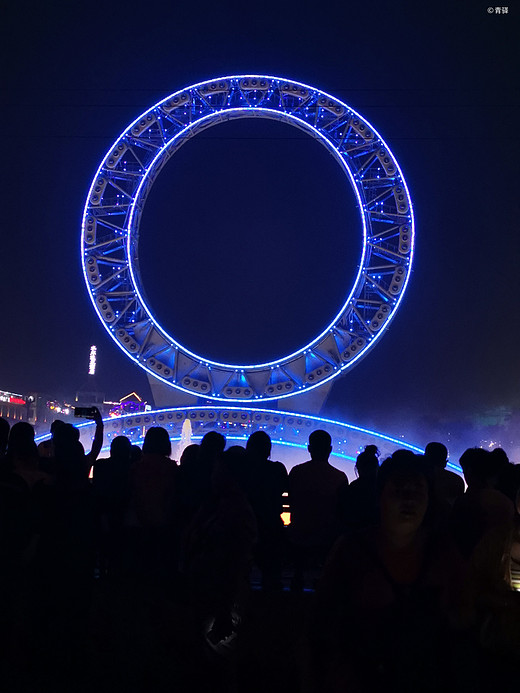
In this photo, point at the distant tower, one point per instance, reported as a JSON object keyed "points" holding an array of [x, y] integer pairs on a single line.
{"points": [[88, 394], [92, 360]]}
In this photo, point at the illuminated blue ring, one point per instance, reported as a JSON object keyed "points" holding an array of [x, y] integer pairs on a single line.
{"points": [[119, 190]]}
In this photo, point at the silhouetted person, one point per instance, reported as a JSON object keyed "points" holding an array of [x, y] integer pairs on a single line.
{"points": [[381, 620], [70, 463], [212, 445], [492, 603], [481, 507], [4, 435], [22, 454], [46, 447], [135, 453], [67, 553], [219, 548], [153, 478], [20, 496], [447, 486], [358, 500], [268, 481], [313, 499], [507, 475], [190, 455], [150, 514], [110, 475], [110, 484], [195, 475]]}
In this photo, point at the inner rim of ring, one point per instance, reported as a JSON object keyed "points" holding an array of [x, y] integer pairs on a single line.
{"points": [[176, 144]]}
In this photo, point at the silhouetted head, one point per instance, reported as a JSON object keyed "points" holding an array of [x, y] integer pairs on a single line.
{"points": [[234, 460], [21, 441], [157, 441], [403, 489], [56, 424], [65, 433], [320, 445], [66, 440], [4, 434], [120, 448], [436, 454], [190, 454], [367, 464], [212, 444], [500, 459], [477, 465], [259, 445], [69, 456]]}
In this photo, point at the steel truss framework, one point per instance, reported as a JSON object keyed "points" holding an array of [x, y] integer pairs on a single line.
{"points": [[115, 204]]}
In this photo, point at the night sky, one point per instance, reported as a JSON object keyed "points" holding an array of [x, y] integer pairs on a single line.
{"points": [[438, 83]]}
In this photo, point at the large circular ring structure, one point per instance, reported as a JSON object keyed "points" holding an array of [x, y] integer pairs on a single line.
{"points": [[115, 204]]}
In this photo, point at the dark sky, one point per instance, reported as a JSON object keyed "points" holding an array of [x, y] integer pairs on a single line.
{"points": [[438, 82]]}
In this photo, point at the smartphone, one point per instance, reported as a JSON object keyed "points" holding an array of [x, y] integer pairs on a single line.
{"points": [[85, 412]]}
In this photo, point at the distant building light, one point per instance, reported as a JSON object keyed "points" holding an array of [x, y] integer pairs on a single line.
{"points": [[16, 400], [130, 396], [11, 397]]}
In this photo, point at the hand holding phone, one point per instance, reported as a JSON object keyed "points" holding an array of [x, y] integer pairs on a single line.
{"points": [[85, 412]]}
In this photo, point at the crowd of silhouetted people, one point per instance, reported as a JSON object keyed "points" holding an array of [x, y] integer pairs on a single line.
{"points": [[140, 573]]}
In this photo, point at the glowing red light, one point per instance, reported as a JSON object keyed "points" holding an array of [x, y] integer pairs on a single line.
{"points": [[16, 400]]}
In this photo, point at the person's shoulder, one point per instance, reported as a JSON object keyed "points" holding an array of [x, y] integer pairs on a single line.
{"points": [[278, 468], [452, 477], [359, 483], [299, 469], [165, 464], [102, 462], [338, 473], [170, 467]]}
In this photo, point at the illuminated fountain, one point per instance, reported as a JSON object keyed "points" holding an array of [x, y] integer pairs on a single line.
{"points": [[185, 439]]}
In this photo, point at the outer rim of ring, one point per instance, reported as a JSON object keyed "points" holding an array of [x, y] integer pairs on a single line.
{"points": [[136, 278], [140, 197]]}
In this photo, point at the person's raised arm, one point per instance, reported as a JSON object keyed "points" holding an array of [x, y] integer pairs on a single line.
{"points": [[97, 443]]}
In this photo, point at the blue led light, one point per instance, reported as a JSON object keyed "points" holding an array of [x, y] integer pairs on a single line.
{"points": [[110, 227]]}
